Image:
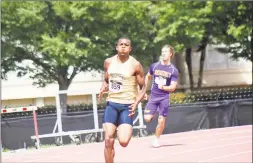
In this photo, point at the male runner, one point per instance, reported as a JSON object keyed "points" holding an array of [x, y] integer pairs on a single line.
{"points": [[165, 76], [122, 76]]}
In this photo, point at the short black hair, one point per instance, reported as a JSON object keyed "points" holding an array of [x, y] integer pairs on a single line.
{"points": [[124, 38]]}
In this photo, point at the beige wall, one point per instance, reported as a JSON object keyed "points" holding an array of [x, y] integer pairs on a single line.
{"points": [[226, 77], [21, 92], [221, 70], [79, 99], [71, 100], [49, 101], [18, 102]]}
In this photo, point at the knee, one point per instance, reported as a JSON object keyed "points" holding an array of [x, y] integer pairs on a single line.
{"points": [[161, 121], [124, 143], [109, 142], [124, 134], [147, 118]]}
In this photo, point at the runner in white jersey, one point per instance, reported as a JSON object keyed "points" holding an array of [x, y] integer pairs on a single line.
{"points": [[123, 75]]}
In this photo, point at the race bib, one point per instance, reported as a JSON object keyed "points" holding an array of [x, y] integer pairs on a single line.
{"points": [[160, 80], [115, 86]]}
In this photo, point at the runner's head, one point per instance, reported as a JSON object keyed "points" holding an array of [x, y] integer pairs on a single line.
{"points": [[167, 52], [123, 46]]}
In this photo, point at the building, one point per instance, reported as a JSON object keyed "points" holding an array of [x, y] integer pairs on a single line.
{"points": [[221, 70]]}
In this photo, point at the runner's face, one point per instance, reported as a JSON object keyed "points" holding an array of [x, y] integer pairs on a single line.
{"points": [[166, 53], [123, 47]]}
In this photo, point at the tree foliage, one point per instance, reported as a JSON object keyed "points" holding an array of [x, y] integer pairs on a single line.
{"points": [[233, 22], [62, 39]]}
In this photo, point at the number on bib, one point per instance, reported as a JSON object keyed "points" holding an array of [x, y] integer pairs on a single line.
{"points": [[160, 80], [115, 86]]}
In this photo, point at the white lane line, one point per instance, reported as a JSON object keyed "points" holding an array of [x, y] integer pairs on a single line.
{"points": [[199, 149], [224, 156], [197, 136]]}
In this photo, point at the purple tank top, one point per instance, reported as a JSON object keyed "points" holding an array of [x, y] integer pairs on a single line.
{"points": [[162, 74]]}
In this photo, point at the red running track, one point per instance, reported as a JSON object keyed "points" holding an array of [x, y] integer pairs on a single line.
{"points": [[232, 144]]}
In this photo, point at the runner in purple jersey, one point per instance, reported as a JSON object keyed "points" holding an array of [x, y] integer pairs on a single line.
{"points": [[164, 77]]}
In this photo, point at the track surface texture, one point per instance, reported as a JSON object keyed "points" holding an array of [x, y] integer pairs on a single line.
{"points": [[232, 144]]}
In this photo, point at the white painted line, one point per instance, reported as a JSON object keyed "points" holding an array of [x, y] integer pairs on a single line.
{"points": [[245, 127], [204, 142], [218, 134], [196, 136], [224, 156], [200, 149], [213, 141]]}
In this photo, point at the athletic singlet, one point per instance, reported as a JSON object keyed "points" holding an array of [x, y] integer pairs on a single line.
{"points": [[122, 85]]}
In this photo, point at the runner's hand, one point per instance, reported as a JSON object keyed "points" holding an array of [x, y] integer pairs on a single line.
{"points": [[160, 86], [102, 91], [100, 96], [132, 109], [145, 97]]}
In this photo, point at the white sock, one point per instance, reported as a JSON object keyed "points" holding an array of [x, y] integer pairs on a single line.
{"points": [[156, 138]]}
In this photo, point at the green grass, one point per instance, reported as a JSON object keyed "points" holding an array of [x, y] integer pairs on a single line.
{"points": [[6, 150]]}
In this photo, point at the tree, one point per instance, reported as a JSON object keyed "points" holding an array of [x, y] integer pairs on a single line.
{"points": [[182, 24], [193, 25], [59, 39], [230, 24], [62, 39], [136, 20], [235, 29]]}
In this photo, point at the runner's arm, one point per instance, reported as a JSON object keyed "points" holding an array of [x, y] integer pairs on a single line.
{"points": [[141, 82], [171, 87], [173, 84], [104, 87]]}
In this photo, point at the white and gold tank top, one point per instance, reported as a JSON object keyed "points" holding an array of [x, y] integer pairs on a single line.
{"points": [[122, 85]]}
